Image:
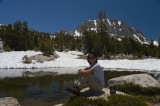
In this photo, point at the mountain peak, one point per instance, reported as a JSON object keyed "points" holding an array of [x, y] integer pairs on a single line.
{"points": [[116, 28]]}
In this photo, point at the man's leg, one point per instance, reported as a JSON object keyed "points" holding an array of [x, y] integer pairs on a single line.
{"points": [[89, 80], [93, 84], [85, 80]]}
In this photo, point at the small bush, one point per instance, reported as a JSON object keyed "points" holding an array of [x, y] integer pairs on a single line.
{"points": [[138, 90], [113, 100], [123, 100], [83, 101], [7, 48], [26, 60]]}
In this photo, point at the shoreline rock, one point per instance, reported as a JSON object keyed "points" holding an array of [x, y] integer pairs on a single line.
{"points": [[9, 101], [144, 80]]}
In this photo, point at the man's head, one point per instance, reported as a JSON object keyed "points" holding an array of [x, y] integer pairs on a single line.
{"points": [[92, 58]]}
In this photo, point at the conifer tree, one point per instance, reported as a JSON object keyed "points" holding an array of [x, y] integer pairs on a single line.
{"points": [[18, 37], [103, 32], [158, 48]]}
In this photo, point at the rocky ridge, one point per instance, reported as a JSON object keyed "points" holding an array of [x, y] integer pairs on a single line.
{"points": [[116, 28]]}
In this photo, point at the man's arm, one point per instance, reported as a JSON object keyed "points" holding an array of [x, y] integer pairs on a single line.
{"points": [[85, 71]]}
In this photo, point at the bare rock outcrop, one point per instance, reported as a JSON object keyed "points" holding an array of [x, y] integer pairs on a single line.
{"points": [[144, 80], [42, 58], [39, 58], [9, 101]]}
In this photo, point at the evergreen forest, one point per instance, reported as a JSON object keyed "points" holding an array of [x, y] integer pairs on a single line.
{"points": [[19, 37]]}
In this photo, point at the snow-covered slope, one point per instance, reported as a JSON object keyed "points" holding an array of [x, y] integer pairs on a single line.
{"points": [[69, 59], [67, 63]]}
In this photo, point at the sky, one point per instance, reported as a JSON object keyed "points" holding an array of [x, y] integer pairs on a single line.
{"points": [[53, 15]]}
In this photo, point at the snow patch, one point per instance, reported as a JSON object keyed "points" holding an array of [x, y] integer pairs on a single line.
{"points": [[67, 60], [77, 33], [137, 38], [119, 23], [146, 43], [119, 39], [95, 22], [155, 43], [93, 29], [109, 22], [112, 34]]}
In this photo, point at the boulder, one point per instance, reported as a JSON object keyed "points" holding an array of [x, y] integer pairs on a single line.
{"points": [[157, 76], [40, 58], [9, 101], [144, 80]]}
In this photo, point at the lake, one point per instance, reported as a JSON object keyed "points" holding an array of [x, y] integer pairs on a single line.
{"points": [[44, 88]]}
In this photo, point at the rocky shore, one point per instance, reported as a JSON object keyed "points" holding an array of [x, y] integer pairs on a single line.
{"points": [[9, 101]]}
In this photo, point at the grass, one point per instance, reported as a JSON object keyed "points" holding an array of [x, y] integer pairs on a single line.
{"points": [[133, 89], [113, 100]]}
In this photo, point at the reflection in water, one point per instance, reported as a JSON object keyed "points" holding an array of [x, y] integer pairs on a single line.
{"points": [[34, 90], [37, 91]]}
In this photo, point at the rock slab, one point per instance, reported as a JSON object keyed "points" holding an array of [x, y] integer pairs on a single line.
{"points": [[144, 80], [9, 101]]}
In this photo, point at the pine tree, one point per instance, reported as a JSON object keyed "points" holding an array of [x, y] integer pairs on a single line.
{"points": [[158, 55], [103, 32], [101, 22]]}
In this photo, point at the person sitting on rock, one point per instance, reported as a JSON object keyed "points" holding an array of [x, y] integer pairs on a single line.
{"points": [[92, 76]]}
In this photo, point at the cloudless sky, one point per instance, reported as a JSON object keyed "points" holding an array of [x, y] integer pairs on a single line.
{"points": [[53, 15]]}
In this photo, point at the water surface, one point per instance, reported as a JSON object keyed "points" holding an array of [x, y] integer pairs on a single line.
{"points": [[46, 90], [42, 89]]}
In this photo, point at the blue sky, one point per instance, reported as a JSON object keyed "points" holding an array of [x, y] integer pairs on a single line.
{"points": [[53, 15]]}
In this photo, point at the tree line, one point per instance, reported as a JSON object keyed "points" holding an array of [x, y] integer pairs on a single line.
{"points": [[18, 37], [102, 43]]}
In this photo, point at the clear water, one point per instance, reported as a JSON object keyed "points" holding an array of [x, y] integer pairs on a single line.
{"points": [[37, 91]]}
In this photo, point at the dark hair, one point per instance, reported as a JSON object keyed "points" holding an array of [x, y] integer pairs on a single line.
{"points": [[94, 54]]}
